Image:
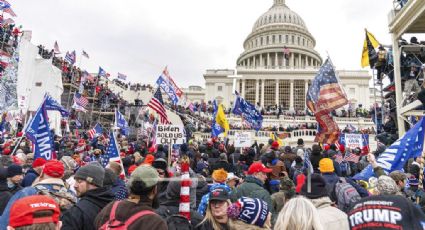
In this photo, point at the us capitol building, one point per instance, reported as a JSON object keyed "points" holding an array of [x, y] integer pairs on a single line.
{"points": [[277, 66]]}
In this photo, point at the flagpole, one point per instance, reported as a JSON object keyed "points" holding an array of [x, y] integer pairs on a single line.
{"points": [[374, 96]]}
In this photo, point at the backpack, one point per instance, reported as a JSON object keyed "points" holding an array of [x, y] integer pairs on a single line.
{"points": [[63, 197], [346, 194], [345, 168], [297, 171], [113, 223], [178, 222]]}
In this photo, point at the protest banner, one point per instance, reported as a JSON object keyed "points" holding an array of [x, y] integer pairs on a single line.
{"points": [[170, 134]]}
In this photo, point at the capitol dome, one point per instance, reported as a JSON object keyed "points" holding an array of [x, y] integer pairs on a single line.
{"points": [[279, 40], [279, 13]]}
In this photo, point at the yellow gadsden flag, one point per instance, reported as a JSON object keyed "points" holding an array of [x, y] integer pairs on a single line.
{"points": [[221, 120], [369, 55]]}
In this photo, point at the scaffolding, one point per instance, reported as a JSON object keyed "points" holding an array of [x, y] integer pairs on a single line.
{"points": [[408, 19]]}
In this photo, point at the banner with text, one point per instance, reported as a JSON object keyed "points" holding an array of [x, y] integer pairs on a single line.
{"points": [[170, 134]]}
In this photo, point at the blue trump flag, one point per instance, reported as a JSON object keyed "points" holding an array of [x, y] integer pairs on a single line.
{"points": [[51, 104], [121, 123], [395, 156], [248, 112], [168, 89], [112, 150], [216, 129], [38, 131]]}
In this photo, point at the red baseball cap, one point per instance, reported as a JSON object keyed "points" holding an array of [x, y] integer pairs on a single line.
{"points": [[258, 167], [38, 162], [22, 211]]}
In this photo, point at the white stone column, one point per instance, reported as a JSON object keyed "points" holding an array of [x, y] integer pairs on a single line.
{"points": [[276, 64], [261, 61], [277, 92], [306, 61], [268, 60], [243, 88], [257, 91], [254, 61], [291, 96], [306, 91], [292, 59], [262, 93], [299, 61]]}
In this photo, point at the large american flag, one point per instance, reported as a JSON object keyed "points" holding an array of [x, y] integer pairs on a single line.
{"points": [[80, 100], [325, 95], [157, 104]]}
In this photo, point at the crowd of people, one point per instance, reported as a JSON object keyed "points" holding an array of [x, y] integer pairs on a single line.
{"points": [[259, 187]]}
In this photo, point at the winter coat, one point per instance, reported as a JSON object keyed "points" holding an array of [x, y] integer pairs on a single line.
{"points": [[201, 190], [208, 226], [314, 159], [4, 191], [82, 215], [171, 207], [126, 209], [331, 179], [253, 188], [119, 189], [332, 218], [29, 178]]}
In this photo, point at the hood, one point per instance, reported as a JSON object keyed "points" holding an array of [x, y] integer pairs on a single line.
{"points": [[322, 202], [251, 179], [100, 196]]}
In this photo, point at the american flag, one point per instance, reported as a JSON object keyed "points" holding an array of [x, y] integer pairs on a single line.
{"points": [[70, 57], [157, 104], [325, 95], [85, 54], [80, 100], [96, 131], [348, 157], [8, 21]]}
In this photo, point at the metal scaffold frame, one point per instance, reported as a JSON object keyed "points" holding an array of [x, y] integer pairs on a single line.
{"points": [[409, 19]]}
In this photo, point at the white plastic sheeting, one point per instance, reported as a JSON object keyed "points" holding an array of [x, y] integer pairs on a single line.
{"points": [[36, 76]]}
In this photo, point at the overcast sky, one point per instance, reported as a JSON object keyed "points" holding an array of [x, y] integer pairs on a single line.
{"points": [[140, 37]]}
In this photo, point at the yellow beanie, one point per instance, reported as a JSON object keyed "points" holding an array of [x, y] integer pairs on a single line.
{"points": [[219, 175], [326, 165]]}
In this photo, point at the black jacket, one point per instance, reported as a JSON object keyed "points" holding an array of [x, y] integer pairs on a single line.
{"points": [[5, 195], [170, 207], [29, 178], [82, 215]]}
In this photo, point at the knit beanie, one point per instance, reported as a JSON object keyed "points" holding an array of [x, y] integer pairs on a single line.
{"points": [[386, 186], [219, 175], [93, 173], [318, 187], [249, 210], [14, 170], [54, 168], [413, 181], [326, 165]]}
